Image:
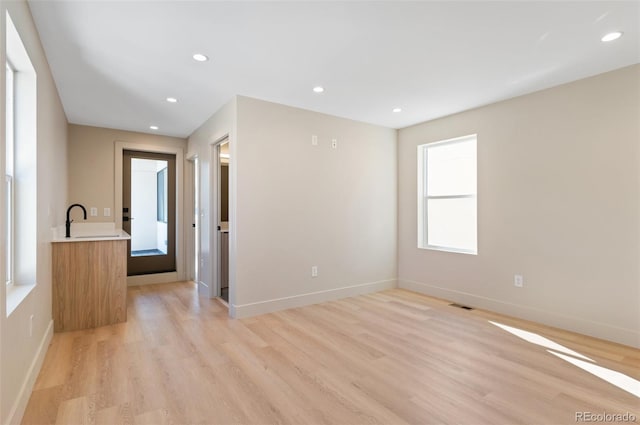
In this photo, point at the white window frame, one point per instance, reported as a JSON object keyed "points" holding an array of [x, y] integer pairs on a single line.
{"points": [[24, 181], [9, 170], [424, 197]]}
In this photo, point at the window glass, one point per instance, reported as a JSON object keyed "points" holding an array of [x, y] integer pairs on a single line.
{"points": [[447, 199], [452, 223], [451, 169]]}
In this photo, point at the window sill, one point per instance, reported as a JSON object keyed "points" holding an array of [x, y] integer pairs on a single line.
{"points": [[445, 249], [16, 294]]}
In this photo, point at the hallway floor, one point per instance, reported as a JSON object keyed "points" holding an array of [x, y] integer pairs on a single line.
{"points": [[393, 357]]}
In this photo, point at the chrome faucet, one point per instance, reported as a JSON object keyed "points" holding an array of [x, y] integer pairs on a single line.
{"points": [[68, 222]]}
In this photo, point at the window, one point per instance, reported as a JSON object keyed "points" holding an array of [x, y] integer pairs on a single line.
{"points": [[9, 201], [447, 195], [19, 195]]}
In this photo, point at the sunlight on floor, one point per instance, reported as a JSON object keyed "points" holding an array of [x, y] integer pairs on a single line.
{"points": [[613, 377], [618, 379], [539, 340]]}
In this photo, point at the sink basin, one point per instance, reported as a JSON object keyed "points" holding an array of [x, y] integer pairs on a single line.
{"points": [[89, 232]]}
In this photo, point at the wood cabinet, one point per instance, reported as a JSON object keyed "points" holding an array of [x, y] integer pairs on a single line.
{"points": [[89, 284]]}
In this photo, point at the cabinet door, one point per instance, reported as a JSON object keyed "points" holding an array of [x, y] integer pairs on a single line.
{"points": [[89, 284]]}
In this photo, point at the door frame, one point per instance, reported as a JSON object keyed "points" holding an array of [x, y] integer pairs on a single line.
{"points": [[193, 253], [214, 207], [121, 146], [150, 264]]}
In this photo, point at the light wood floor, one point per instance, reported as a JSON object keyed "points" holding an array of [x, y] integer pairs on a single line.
{"points": [[394, 357]]}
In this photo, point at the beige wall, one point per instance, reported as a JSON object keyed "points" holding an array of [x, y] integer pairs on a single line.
{"points": [[19, 353], [299, 205], [92, 164], [559, 202]]}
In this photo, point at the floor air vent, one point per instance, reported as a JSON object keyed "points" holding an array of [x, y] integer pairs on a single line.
{"points": [[464, 307]]}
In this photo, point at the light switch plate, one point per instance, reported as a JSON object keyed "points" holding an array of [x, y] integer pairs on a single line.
{"points": [[94, 212], [107, 212], [518, 281]]}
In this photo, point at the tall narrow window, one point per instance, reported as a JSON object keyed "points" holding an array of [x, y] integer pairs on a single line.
{"points": [[447, 195], [9, 159], [19, 206]]}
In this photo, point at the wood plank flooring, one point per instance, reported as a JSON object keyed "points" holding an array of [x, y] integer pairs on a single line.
{"points": [[394, 357]]}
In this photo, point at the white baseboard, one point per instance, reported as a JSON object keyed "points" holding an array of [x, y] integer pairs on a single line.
{"points": [[268, 306], [17, 411], [150, 279], [574, 324]]}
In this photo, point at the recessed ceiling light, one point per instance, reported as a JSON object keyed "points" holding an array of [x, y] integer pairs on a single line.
{"points": [[153, 127], [612, 36], [318, 89], [172, 100], [397, 109], [200, 57]]}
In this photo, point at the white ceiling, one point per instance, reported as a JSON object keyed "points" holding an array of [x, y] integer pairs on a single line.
{"points": [[115, 62]]}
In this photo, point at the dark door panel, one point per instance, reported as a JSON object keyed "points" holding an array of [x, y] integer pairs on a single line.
{"points": [[149, 195]]}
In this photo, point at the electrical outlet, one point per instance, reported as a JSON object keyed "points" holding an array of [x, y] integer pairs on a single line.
{"points": [[334, 143], [314, 271], [518, 281], [107, 212], [94, 212], [314, 140]]}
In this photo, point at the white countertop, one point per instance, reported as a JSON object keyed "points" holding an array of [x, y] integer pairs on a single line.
{"points": [[87, 232]]}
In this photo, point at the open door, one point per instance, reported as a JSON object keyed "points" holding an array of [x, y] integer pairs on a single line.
{"points": [[149, 211]]}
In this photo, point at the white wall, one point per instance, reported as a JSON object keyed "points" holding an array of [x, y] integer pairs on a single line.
{"points": [[219, 125], [144, 197], [299, 205], [161, 237], [161, 233], [559, 202], [20, 353], [294, 205]]}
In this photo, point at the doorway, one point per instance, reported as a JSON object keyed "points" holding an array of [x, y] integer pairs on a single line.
{"points": [[222, 154], [148, 211]]}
